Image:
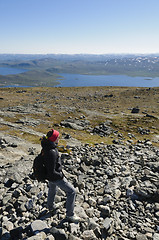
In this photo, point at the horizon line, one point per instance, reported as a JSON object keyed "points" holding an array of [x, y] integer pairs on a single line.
{"points": [[79, 53]]}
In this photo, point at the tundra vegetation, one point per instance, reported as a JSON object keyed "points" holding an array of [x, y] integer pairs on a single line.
{"points": [[85, 113]]}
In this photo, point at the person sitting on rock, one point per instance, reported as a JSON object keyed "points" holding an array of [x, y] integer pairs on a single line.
{"points": [[55, 175]]}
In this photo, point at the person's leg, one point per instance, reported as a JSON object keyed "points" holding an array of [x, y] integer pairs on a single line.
{"points": [[51, 195], [70, 193]]}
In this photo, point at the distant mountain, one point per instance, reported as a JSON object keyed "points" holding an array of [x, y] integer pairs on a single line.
{"points": [[70, 57], [46, 69]]}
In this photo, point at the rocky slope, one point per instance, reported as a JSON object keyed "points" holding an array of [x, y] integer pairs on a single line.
{"points": [[117, 193], [110, 153]]}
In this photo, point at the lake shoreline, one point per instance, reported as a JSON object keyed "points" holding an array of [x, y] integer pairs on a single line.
{"points": [[74, 80]]}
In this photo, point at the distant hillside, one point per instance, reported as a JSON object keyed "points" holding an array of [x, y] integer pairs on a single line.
{"points": [[44, 70]]}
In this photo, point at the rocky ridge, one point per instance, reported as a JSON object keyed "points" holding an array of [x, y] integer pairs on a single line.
{"points": [[117, 193]]}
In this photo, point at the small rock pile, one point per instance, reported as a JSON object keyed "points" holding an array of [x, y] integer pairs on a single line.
{"points": [[103, 129], [117, 195], [143, 131]]}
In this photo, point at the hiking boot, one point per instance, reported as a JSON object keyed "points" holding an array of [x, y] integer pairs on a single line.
{"points": [[53, 210], [73, 219]]}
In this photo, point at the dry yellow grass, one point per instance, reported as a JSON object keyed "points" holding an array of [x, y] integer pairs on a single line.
{"points": [[98, 104]]}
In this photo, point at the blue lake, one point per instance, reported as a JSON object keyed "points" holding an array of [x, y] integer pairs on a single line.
{"points": [[78, 80], [7, 71]]}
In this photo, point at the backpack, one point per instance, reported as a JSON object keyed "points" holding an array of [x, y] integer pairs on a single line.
{"points": [[39, 169]]}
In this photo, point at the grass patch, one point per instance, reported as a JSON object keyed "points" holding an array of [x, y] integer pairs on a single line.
{"points": [[97, 104], [26, 136], [4, 128]]}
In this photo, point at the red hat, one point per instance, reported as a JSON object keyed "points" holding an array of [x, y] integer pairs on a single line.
{"points": [[53, 135]]}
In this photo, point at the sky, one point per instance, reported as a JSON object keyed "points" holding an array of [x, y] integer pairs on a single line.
{"points": [[79, 26]]}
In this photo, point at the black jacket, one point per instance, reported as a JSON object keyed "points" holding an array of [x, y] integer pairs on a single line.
{"points": [[52, 161]]}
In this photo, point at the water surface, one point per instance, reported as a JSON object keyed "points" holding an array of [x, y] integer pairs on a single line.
{"points": [[7, 70], [78, 80]]}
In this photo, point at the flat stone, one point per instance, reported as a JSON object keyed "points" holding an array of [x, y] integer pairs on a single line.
{"points": [[141, 237], [38, 226], [107, 223], [79, 211], [156, 236], [38, 236]]}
